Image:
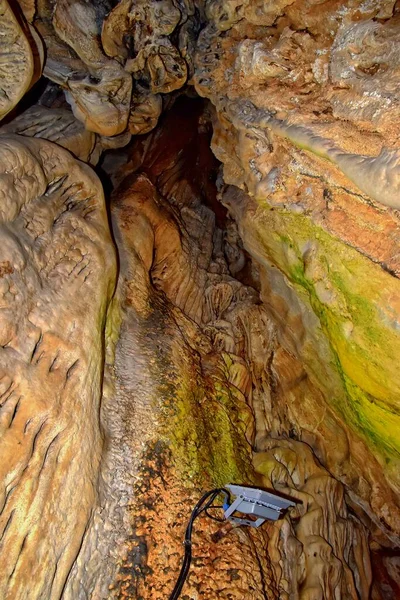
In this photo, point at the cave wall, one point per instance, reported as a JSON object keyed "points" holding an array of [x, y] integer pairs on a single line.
{"points": [[183, 333], [58, 271], [316, 159]]}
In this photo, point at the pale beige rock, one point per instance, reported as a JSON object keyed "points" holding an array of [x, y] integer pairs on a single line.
{"points": [[18, 67], [57, 276], [56, 125], [364, 69], [77, 24], [323, 544]]}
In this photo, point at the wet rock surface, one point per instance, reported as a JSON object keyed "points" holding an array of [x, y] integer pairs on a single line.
{"points": [[224, 316], [216, 352]]}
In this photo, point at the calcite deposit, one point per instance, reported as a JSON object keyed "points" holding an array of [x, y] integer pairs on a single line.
{"points": [[21, 57], [59, 125], [115, 59], [199, 285], [57, 275], [318, 184]]}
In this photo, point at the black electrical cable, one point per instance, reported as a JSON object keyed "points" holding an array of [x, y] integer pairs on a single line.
{"points": [[219, 519], [187, 559]]}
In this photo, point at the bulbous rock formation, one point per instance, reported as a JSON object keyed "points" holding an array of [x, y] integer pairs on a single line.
{"points": [[21, 52], [57, 274], [224, 310], [98, 89], [115, 61]]}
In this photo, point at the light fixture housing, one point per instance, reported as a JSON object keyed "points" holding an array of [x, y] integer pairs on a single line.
{"points": [[260, 505]]}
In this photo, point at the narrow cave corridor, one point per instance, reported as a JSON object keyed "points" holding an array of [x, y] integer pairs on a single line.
{"points": [[199, 286]]}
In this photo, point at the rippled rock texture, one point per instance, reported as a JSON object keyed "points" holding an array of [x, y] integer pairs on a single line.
{"points": [[57, 275], [212, 321], [201, 384]]}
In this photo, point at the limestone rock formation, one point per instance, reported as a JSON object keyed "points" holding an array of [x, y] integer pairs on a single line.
{"points": [[57, 275], [212, 347], [21, 57], [158, 447], [308, 216], [60, 126], [114, 60], [206, 315], [57, 125]]}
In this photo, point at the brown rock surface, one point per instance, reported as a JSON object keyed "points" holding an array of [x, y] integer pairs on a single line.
{"points": [[197, 346], [98, 89], [254, 333], [114, 61]]}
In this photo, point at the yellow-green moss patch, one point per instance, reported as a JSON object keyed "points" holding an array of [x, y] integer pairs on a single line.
{"points": [[350, 296]]}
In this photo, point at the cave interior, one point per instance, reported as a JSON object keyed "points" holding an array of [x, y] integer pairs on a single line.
{"points": [[199, 286]]}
